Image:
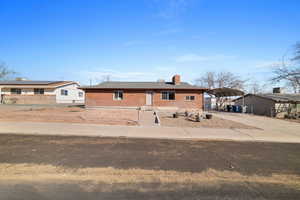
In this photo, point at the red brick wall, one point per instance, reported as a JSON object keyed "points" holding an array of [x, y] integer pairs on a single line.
{"points": [[136, 98], [179, 99], [105, 98]]}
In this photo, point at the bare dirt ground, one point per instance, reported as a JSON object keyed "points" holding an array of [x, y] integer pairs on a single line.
{"points": [[69, 115], [68, 168], [216, 122]]}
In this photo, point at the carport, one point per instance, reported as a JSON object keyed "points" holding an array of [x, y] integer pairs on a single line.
{"points": [[221, 93]]}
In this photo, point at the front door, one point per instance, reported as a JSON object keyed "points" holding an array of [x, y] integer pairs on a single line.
{"points": [[149, 98]]}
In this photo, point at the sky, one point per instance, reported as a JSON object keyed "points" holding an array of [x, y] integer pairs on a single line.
{"points": [[145, 40]]}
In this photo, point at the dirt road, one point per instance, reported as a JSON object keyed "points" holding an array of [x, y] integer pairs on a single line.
{"points": [[55, 167]]}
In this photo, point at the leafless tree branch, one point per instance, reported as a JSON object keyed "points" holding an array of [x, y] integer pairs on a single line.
{"points": [[5, 72], [289, 73]]}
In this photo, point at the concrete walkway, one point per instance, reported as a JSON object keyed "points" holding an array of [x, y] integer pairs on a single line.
{"points": [[287, 134], [147, 118]]}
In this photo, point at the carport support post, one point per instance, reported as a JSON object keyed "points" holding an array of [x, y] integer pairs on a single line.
{"points": [[243, 101]]}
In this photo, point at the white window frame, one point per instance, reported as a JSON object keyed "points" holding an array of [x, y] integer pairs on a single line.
{"points": [[189, 98], [168, 95], [17, 89], [118, 97], [64, 92], [39, 91]]}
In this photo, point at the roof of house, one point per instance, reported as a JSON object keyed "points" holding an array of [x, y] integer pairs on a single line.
{"points": [[278, 97], [29, 83], [25, 82], [143, 85]]}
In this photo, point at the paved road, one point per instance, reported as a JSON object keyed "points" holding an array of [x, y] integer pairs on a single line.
{"points": [[272, 130]]}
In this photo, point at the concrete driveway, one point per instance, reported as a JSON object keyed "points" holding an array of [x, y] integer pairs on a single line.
{"points": [[270, 130], [271, 127]]}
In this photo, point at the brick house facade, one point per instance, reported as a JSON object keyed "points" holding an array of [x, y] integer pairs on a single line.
{"points": [[173, 94]]}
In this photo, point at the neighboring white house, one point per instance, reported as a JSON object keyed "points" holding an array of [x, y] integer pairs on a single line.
{"points": [[40, 92], [210, 103]]}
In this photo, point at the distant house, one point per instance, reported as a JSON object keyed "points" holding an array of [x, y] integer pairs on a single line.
{"points": [[271, 105], [210, 103], [174, 94], [40, 92]]}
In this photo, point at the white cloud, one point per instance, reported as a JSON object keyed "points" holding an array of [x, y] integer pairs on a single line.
{"points": [[152, 74], [170, 9], [169, 31], [268, 64], [198, 58], [134, 43], [115, 75], [165, 69]]}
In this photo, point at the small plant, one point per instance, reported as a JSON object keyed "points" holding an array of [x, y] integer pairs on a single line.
{"points": [[186, 113], [175, 115], [208, 116], [197, 118]]}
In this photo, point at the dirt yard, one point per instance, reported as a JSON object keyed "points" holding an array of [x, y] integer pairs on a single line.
{"points": [[216, 122], [68, 168], [69, 115]]}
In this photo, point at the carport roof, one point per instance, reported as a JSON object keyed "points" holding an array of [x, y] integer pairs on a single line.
{"points": [[225, 92]]}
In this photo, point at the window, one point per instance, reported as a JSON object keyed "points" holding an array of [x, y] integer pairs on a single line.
{"points": [[39, 91], [168, 95], [64, 92], [118, 95], [190, 98], [80, 94], [15, 91]]}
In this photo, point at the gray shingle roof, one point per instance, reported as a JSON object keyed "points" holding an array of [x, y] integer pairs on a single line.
{"points": [[142, 85], [278, 97], [14, 82], [281, 97]]}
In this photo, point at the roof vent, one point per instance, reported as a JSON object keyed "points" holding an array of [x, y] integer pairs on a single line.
{"points": [[21, 79]]}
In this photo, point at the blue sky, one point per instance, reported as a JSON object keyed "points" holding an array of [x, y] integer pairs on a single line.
{"points": [[145, 39]]}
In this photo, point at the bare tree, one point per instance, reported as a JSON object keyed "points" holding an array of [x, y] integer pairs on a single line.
{"points": [[207, 80], [5, 72], [297, 52], [106, 78], [289, 71], [213, 80], [256, 87]]}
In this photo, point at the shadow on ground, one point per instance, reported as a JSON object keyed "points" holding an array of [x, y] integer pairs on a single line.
{"points": [[247, 158]]}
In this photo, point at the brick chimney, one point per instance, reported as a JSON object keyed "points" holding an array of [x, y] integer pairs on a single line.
{"points": [[176, 79]]}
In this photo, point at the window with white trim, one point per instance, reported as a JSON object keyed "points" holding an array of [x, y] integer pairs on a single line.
{"points": [[15, 91], [190, 98], [39, 91], [80, 94], [64, 92], [118, 95], [168, 95]]}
